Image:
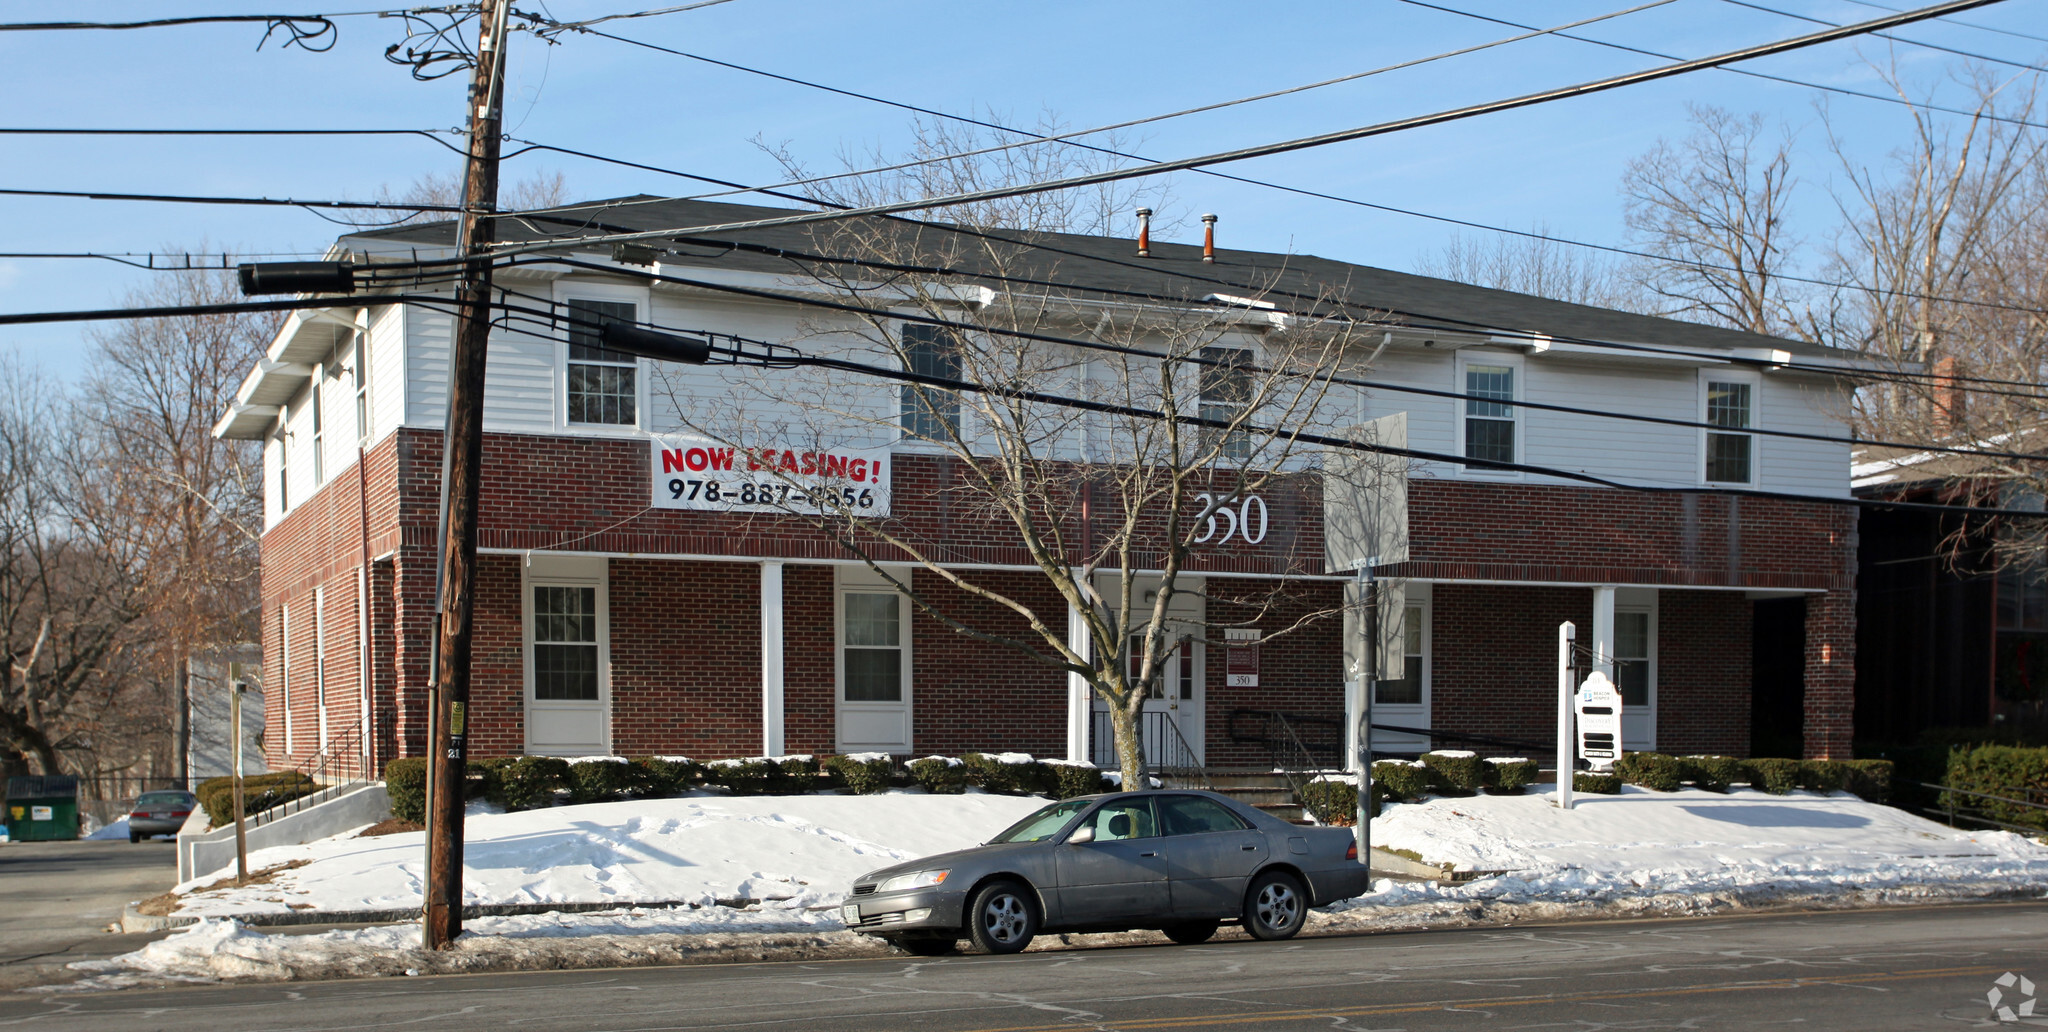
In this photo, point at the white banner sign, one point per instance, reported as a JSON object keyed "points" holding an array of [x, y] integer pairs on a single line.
{"points": [[694, 474]]}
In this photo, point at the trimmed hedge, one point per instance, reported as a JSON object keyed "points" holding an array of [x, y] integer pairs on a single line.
{"points": [[1775, 776], [1511, 775], [764, 775], [865, 774], [260, 792], [1713, 773], [1456, 771], [1823, 775], [668, 775], [1592, 783], [405, 781], [525, 782], [1871, 780], [1067, 780], [1333, 802], [1652, 770], [2011, 772], [600, 778], [939, 775], [996, 775], [1400, 780]]}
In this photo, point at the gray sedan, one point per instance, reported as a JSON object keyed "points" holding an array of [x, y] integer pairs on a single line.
{"points": [[1183, 862]]}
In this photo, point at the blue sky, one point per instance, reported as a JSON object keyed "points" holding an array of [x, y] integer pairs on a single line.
{"points": [[1557, 165]]}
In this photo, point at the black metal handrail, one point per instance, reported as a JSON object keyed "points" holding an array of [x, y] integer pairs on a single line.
{"points": [[341, 757], [1975, 815], [1336, 726]]}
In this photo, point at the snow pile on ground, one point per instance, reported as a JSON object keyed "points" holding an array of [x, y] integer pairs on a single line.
{"points": [[1684, 852], [799, 851], [116, 830], [1636, 854]]}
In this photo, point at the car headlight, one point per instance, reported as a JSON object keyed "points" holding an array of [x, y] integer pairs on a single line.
{"points": [[912, 881]]}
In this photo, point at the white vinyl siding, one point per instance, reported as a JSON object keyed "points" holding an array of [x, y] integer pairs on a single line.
{"points": [[388, 370]]}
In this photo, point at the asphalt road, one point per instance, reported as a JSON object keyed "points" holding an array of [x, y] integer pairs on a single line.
{"points": [[1915, 968], [57, 899]]}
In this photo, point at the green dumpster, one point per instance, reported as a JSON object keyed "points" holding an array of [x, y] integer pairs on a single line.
{"points": [[42, 808]]}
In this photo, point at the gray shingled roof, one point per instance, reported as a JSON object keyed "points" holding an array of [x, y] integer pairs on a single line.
{"points": [[1111, 263]]}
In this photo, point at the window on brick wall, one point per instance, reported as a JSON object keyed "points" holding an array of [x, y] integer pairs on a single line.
{"points": [[320, 661], [1177, 673], [1632, 657], [603, 384], [284, 673]]}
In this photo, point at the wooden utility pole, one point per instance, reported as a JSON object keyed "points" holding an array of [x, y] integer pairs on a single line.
{"points": [[448, 751]]}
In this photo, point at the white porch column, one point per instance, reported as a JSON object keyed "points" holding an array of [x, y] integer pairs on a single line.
{"points": [[1080, 699], [1603, 630], [771, 659]]}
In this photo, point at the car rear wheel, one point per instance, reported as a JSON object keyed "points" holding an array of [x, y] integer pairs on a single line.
{"points": [[1275, 907], [134, 837], [1188, 933], [1002, 917], [927, 946]]}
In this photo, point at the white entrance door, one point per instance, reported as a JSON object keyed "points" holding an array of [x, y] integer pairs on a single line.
{"points": [[1172, 723], [568, 661], [1404, 702], [874, 663], [1635, 667]]}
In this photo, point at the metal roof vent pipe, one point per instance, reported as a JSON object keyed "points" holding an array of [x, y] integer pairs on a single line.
{"points": [[1144, 232], [1209, 238]]}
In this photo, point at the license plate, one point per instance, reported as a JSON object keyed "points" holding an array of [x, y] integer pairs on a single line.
{"points": [[850, 914]]}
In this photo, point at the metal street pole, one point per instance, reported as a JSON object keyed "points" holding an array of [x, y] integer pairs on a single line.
{"points": [[235, 689], [447, 751]]}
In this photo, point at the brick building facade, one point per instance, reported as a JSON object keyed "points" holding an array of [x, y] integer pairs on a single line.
{"points": [[715, 634]]}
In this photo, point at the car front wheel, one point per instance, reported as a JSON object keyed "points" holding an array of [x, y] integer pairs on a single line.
{"points": [[1003, 917], [1276, 907]]}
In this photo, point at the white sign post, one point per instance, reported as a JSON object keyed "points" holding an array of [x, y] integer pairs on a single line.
{"points": [[1598, 706], [1566, 631]]}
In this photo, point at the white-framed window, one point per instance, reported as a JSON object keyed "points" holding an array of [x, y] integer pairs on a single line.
{"points": [[360, 369], [1728, 405], [603, 385], [1226, 391], [930, 413], [318, 388], [1489, 421], [1408, 691], [1177, 670], [1634, 654], [284, 462], [320, 661], [565, 646]]}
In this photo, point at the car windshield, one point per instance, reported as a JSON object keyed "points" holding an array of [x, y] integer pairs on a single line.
{"points": [[162, 799], [1044, 824]]}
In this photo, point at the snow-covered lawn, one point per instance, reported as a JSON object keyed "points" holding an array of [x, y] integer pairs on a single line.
{"points": [[800, 851], [1639, 853]]}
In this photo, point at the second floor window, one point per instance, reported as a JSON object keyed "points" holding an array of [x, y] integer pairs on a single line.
{"points": [[603, 384], [930, 413], [1490, 412], [1731, 406], [1226, 383]]}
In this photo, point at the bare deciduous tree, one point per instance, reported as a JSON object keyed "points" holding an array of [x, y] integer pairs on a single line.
{"points": [[1533, 265]]}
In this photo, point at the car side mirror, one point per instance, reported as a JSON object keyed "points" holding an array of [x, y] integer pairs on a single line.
{"points": [[1082, 835]]}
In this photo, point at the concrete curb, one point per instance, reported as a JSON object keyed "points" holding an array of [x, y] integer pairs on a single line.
{"points": [[132, 921]]}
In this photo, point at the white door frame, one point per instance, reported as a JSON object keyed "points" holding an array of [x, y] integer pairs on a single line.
{"points": [[543, 570], [1186, 615], [1418, 596]]}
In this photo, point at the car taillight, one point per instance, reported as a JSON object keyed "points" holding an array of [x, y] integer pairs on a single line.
{"points": [[139, 813], [1351, 851], [188, 813]]}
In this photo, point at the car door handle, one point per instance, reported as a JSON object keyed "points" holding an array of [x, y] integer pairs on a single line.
{"points": [[1148, 854], [1249, 848]]}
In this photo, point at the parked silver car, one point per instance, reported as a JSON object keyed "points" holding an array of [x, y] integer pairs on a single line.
{"points": [[1183, 862], [160, 813]]}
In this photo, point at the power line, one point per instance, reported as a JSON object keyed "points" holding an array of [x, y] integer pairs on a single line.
{"points": [[282, 202], [175, 311], [1991, 116], [1895, 39], [1318, 140], [148, 260], [1957, 21], [431, 134], [1035, 139]]}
